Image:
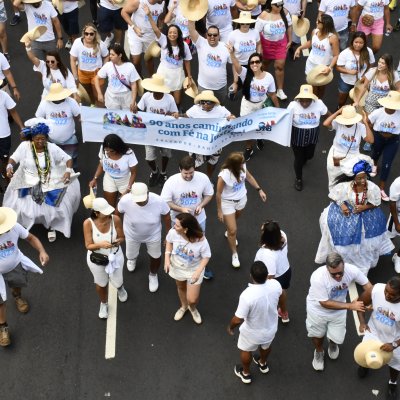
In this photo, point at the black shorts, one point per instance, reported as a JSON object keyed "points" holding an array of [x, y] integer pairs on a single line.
{"points": [[110, 19], [17, 278], [5, 147], [70, 22], [284, 279]]}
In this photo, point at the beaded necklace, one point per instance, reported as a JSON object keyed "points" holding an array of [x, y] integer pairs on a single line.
{"points": [[363, 197], [44, 173]]}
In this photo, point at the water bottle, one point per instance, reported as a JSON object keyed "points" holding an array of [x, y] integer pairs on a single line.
{"points": [[387, 33], [231, 93], [367, 146]]}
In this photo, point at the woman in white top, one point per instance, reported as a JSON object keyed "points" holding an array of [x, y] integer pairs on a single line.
{"points": [[231, 196], [122, 78], [274, 254], [87, 56], [324, 46], [104, 235], [187, 254], [119, 164]]}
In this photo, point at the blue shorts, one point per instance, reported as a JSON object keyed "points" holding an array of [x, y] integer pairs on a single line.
{"points": [[343, 86], [70, 22], [110, 19]]}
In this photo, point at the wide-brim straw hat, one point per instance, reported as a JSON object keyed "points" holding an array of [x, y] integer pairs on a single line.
{"points": [[349, 116], [153, 51], [300, 26], [354, 92], [244, 18], [34, 34], [59, 6], [368, 354], [57, 92], [83, 94], [316, 78], [251, 4], [8, 219], [192, 90], [207, 95], [391, 101], [155, 84], [88, 200], [193, 10], [306, 92]]}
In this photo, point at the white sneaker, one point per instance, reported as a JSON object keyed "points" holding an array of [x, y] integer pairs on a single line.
{"points": [[235, 260], [396, 261], [333, 351], [153, 283], [103, 312], [226, 235], [281, 94], [68, 45], [196, 316], [180, 313], [318, 361], [107, 41], [122, 294], [131, 265]]}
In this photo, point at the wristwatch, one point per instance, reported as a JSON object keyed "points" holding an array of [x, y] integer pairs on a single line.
{"points": [[395, 345]]}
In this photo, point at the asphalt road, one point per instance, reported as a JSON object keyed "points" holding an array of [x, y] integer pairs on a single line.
{"points": [[58, 348]]}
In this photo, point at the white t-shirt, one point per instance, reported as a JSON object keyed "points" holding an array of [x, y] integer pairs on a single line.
{"points": [[4, 65], [273, 31], [173, 62], [276, 261], [188, 194], [394, 193], [324, 287], [259, 88], [179, 19], [110, 5], [244, 44], [212, 64], [233, 190], [383, 122], [339, 10], [164, 106], [307, 118], [69, 6], [321, 50], [345, 140], [293, 6], [118, 168], [62, 116], [126, 71], [258, 307], [140, 19], [187, 252], [219, 13], [88, 59], [349, 60], [6, 103], [143, 224], [10, 255], [41, 16], [377, 87], [373, 7], [217, 111]]}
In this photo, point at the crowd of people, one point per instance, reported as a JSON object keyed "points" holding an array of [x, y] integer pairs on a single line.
{"points": [[235, 43]]}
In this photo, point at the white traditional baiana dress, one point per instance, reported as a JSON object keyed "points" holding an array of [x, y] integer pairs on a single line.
{"points": [[359, 238], [50, 203]]}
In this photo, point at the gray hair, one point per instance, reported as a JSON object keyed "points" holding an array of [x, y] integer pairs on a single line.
{"points": [[333, 260]]}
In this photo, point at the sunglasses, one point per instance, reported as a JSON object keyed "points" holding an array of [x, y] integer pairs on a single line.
{"points": [[89, 33], [212, 34], [51, 61], [333, 274], [255, 62], [207, 102]]}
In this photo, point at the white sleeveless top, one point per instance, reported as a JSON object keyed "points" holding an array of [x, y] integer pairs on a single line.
{"points": [[140, 19], [321, 50], [98, 236]]}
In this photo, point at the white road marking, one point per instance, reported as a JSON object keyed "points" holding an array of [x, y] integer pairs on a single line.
{"points": [[111, 332], [353, 296]]}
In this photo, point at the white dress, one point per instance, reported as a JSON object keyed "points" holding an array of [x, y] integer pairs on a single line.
{"points": [[26, 177], [360, 238]]}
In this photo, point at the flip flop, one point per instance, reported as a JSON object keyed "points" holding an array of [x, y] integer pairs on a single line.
{"points": [[51, 235]]}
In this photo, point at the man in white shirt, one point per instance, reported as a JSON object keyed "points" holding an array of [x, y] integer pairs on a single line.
{"points": [[14, 266], [219, 14], [327, 306], [394, 222], [257, 317]]}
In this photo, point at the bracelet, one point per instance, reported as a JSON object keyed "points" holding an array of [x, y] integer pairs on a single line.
{"points": [[13, 87], [28, 49], [95, 178], [69, 170], [167, 252], [353, 24], [258, 189], [10, 166], [60, 38]]}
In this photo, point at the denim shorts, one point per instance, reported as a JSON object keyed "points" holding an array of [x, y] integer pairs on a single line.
{"points": [[343, 86], [3, 13]]}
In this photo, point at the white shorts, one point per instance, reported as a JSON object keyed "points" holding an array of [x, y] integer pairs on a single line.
{"points": [[151, 152], [395, 361], [333, 327], [231, 206], [173, 77], [138, 45], [121, 101], [182, 273], [133, 247], [100, 275], [245, 344], [247, 107], [112, 185]]}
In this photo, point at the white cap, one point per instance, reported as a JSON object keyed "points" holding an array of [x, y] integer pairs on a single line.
{"points": [[101, 205], [139, 192]]}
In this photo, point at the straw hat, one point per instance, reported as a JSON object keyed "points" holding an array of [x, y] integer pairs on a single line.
{"points": [[57, 92], [355, 92], [368, 354], [349, 116], [119, 2], [192, 90], [316, 78], [244, 18], [306, 92], [83, 94], [206, 95], [193, 10], [58, 5], [251, 4], [88, 200], [300, 26], [391, 101], [153, 51], [139, 192], [155, 84], [34, 34], [8, 219]]}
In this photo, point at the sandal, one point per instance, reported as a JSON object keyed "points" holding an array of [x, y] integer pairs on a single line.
{"points": [[52, 236]]}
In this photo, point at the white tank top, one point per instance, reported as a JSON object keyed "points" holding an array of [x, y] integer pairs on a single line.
{"points": [[321, 50], [140, 19], [98, 236]]}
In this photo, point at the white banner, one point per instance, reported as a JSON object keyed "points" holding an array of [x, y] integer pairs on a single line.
{"points": [[203, 136]]}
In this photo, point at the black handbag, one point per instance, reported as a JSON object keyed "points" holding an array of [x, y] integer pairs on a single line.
{"points": [[102, 259]]}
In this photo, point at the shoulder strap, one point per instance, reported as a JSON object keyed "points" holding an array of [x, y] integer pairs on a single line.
{"points": [[119, 78]]}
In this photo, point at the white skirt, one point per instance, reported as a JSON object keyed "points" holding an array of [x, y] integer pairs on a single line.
{"points": [[173, 77]]}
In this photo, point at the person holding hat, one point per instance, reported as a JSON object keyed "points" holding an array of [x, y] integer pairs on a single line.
{"points": [[300, 24], [220, 14], [327, 306], [43, 189], [350, 128], [61, 110], [14, 266], [174, 16], [307, 111], [104, 235], [385, 122], [254, 6], [144, 211], [353, 225], [158, 101], [383, 325]]}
